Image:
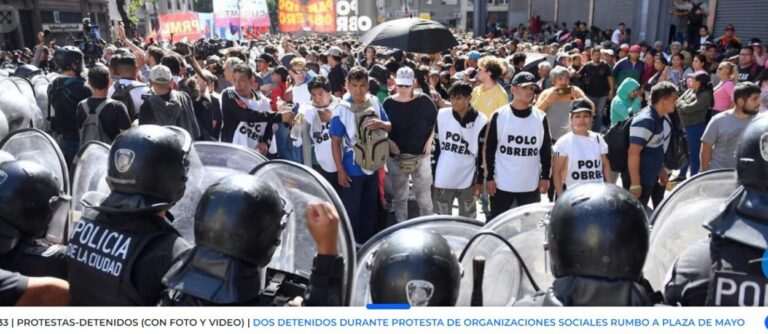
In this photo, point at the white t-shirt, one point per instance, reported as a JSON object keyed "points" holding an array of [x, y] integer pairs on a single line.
{"points": [[584, 153], [301, 94], [615, 37]]}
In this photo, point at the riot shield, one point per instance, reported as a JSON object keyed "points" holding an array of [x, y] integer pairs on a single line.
{"points": [[504, 280], [299, 186], [17, 101], [209, 162], [677, 222], [40, 85], [90, 175], [456, 230], [35, 145]]}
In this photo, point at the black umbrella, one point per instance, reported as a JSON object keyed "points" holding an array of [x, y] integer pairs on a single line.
{"points": [[412, 35]]}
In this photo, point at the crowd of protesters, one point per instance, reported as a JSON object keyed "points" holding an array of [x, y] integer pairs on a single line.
{"points": [[482, 124]]}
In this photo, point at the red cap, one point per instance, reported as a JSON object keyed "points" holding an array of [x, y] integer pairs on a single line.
{"points": [[577, 41], [635, 48]]}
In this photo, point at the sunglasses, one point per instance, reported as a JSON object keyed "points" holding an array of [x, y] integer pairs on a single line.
{"points": [[404, 86], [299, 71]]}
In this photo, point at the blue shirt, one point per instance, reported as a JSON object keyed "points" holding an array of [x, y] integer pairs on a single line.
{"points": [[624, 69], [338, 128], [647, 129]]}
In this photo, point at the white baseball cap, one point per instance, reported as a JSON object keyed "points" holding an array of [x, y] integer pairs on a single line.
{"points": [[405, 76]]}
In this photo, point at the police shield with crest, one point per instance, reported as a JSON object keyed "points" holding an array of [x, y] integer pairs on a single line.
{"points": [[730, 268], [456, 231]]}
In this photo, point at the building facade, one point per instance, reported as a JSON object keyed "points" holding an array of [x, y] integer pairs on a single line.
{"points": [[22, 20]]}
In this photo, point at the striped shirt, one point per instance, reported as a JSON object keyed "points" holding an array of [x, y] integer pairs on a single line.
{"points": [[648, 130]]}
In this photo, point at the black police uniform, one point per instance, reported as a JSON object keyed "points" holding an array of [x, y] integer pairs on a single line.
{"points": [[12, 287], [238, 224], [121, 248], [738, 239], [603, 273], [239, 284], [36, 260]]}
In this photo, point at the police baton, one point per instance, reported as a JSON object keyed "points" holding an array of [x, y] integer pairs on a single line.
{"points": [[478, 270]]}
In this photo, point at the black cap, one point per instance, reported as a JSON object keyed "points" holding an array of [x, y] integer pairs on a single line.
{"points": [[523, 79], [579, 105]]}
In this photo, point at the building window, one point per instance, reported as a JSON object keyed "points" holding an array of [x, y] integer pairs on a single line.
{"points": [[170, 5]]}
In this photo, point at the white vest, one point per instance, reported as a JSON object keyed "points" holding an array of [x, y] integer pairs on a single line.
{"points": [[459, 147], [518, 165], [585, 164], [250, 134], [321, 138]]}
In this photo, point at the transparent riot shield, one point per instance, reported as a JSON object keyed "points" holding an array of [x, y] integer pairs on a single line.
{"points": [[40, 85], [18, 103], [35, 145], [209, 162], [456, 230], [90, 175], [504, 280], [677, 222], [299, 186]]}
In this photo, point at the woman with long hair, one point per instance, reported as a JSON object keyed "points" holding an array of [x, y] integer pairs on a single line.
{"points": [[693, 107], [369, 58]]}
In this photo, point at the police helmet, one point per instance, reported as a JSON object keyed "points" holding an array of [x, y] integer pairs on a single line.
{"points": [[752, 165], [152, 161], [69, 58], [27, 71], [415, 267], [598, 230], [241, 216], [29, 196]]}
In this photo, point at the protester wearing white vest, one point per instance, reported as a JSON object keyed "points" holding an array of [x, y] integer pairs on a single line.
{"points": [[457, 157], [580, 156], [316, 119], [518, 150]]}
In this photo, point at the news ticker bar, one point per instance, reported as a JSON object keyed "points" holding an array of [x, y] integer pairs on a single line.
{"points": [[383, 319]]}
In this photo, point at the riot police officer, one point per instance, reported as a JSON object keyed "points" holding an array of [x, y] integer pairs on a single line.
{"points": [[730, 269], [29, 198], [121, 248], [64, 94], [416, 267], [598, 242], [238, 224]]}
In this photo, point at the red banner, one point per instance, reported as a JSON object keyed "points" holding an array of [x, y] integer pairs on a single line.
{"points": [[181, 25], [316, 16]]}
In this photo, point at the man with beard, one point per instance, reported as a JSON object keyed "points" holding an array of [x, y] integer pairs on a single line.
{"points": [[721, 137]]}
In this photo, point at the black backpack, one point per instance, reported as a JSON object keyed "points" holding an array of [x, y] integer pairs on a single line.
{"points": [[617, 139], [122, 93], [676, 155]]}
